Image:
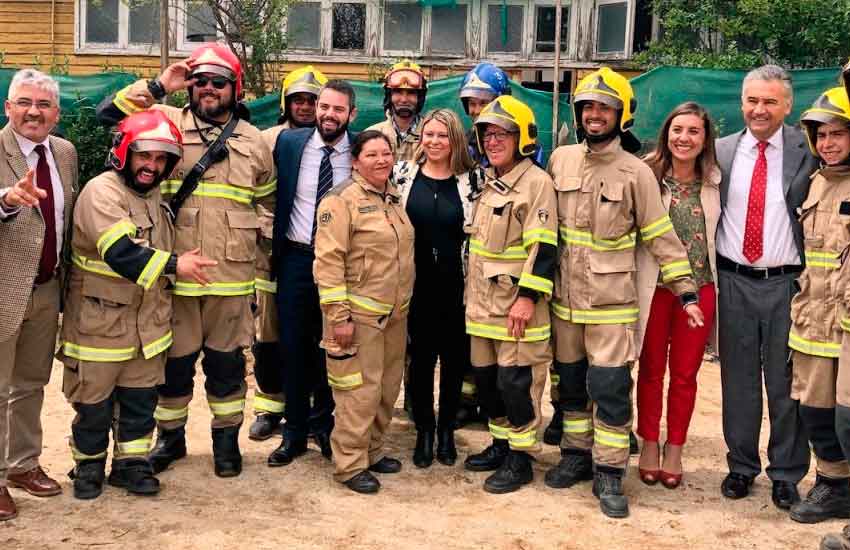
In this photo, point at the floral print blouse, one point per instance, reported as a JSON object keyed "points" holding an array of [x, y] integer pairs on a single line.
{"points": [[689, 223]]}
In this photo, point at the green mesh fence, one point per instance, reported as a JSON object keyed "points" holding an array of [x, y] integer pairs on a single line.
{"points": [[658, 92]]}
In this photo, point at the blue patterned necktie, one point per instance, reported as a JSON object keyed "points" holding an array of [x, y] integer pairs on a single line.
{"points": [[326, 182]]}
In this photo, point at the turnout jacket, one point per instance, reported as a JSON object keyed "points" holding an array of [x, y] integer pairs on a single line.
{"points": [[220, 217], [117, 307], [264, 281], [511, 252], [404, 149], [364, 255], [816, 311], [609, 203]]}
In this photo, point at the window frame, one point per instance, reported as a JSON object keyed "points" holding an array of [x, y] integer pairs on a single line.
{"points": [[427, 26], [426, 13], [321, 48], [570, 51], [182, 26], [484, 21], [626, 52]]}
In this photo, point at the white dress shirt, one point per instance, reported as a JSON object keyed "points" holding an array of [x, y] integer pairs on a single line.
{"points": [[304, 206], [28, 149], [778, 247]]}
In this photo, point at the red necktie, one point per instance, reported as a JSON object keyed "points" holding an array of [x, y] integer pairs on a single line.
{"points": [[47, 264], [754, 231]]}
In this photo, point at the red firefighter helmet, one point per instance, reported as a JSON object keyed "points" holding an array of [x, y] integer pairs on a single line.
{"points": [[218, 59], [148, 130]]}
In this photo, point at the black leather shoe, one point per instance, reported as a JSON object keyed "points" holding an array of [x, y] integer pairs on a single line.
{"points": [[170, 446], [323, 440], [608, 488], [264, 426], [288, 451], [785, 495], [134, 475], [574, 466], [634, 448], [736, 485], [386, 465], [446, 450], [489, 459], [836, 541], [88, 478], [829, 498], [514, 472], [423, 454], [555, 430], [364, 483]]}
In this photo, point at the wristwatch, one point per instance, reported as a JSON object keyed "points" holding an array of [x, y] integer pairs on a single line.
{"points": [[156, 89]]}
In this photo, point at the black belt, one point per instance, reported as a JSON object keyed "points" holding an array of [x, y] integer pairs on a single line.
{"points": [[725, 264], [301, 247]]}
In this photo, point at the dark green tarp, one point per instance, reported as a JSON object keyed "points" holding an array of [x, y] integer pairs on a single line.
{"points": [[658, 91]]}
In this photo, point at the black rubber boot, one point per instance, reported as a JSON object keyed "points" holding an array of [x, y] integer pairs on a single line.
{"points": [[574, 466], [490, 458], [226, 455], [555, 430], [608, 488], [88, 478], [514, 472], [446, 450], [828, 498], [423, 454], [135, 475], [170, 446], [264, 426]]}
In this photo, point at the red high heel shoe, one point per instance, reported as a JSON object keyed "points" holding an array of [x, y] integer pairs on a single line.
{"points": [[649, 477], [671, 481]]}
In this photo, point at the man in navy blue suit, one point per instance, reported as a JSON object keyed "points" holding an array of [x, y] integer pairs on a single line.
{"points": [[310, 162]]}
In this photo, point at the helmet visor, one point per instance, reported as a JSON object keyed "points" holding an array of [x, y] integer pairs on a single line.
{"points": [[478, 93], [214, 69], [405, 79], [601, 98], [141, 145]]}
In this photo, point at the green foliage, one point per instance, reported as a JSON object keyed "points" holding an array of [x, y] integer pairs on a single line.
{"points": [[91, 139], [741, 34]]}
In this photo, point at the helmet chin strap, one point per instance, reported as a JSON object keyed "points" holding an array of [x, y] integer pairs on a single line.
{"points": [[608, 136]]}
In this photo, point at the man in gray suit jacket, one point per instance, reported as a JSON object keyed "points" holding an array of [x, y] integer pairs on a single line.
{"points": [[765, 178], [38, 179]]}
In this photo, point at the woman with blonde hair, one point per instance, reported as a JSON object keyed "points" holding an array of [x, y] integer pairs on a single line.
{"points": [[437, 194], [686, 168]]}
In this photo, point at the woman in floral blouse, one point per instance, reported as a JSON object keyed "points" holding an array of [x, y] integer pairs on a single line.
{"points": [[687, 171]]}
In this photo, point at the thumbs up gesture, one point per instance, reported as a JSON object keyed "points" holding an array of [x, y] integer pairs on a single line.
{"points": [[24, 192]]}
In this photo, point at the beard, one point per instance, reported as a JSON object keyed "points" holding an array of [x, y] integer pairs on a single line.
{"points": [[602, 138], [209, 112], [404, 111], [329, 136], [132, 179]]}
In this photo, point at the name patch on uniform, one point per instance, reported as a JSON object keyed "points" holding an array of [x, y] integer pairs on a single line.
{"points": [[367, 209], [844, 208], [325, 218]]}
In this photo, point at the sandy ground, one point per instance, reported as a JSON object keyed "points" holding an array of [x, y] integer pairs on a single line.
{"points": [[299, 506]]}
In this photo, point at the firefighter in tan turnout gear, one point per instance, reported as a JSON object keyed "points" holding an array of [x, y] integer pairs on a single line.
{"points": [[117, 321], [405, 88], [298, 110], [512, 254], [226, 170], [608, 204], [364, 271]]}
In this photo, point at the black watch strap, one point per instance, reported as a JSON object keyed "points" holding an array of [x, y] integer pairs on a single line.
{"points": [[156, 89]]}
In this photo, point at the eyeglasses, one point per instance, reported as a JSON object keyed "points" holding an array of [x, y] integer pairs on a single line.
{"points": [[218, 82], [498, 137], [27, 104]]}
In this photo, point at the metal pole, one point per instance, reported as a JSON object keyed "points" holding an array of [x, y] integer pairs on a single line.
{"points": [[556, 77], [163, 35]]}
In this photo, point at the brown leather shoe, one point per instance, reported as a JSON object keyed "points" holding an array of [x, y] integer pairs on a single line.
{"points": [[35, 482], [8, 510]]}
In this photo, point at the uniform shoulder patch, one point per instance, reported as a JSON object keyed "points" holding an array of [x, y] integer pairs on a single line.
{"points": [[325, 217], [543, 215]]}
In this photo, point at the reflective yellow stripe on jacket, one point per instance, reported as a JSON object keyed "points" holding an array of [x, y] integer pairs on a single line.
{"points": [[500, 332], [97, 355], [511, 253], [338, 294], [587, 240], [213, 190], [596, 317], [111, 235], [269, 287], [828, 260], [92, 266], [657, 228], [239, 288], [813, 347], [674, 270]]}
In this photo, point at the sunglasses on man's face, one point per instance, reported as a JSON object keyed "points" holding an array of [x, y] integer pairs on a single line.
{"points": [[218, 82]]}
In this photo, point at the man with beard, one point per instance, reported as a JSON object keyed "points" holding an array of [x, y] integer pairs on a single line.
{"points": [[298, 110], [606, 198], [405, 88], [323, 160], [219, 217], [117, 321]]}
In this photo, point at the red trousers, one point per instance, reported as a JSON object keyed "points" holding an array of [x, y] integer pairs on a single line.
{"points": [[668, 329]]}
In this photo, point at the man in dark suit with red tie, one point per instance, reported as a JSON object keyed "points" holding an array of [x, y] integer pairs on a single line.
{"points": [[765, 178], [38, 182]]}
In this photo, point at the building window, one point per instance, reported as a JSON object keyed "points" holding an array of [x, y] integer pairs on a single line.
{"points": [[304, 26], [349, 26], [144, 24], [504, 28], [200, 25], [102, 23], [611, 27], [448, 30], [402, 27], [544, 35]]}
